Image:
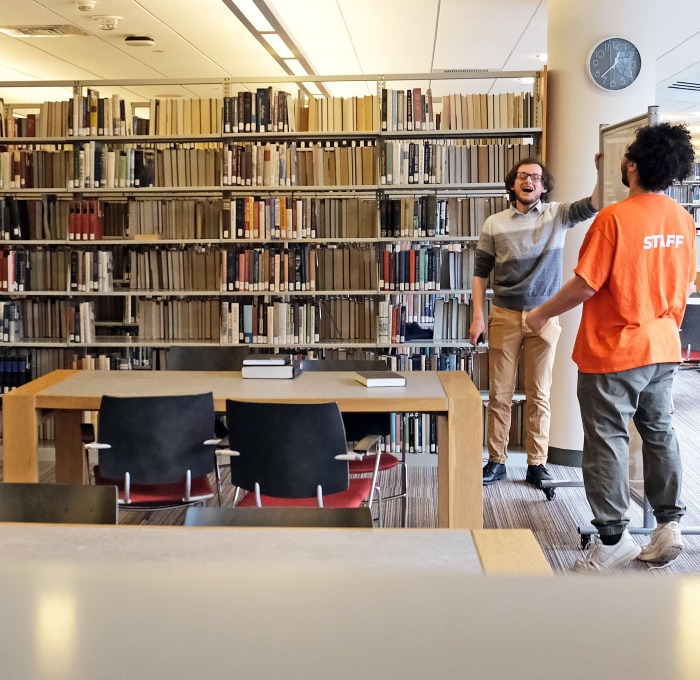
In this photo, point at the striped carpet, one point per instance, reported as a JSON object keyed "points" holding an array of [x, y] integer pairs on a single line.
{"points": [[514, 504]]}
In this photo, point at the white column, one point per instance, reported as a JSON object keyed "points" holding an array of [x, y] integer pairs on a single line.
{"points": [[576, 108]]}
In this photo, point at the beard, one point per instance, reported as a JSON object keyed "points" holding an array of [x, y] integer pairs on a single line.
{"points": [[625, 179], [527, 198]]}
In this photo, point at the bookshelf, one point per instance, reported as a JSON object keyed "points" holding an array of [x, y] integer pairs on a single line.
{"points": [[261, 219]]}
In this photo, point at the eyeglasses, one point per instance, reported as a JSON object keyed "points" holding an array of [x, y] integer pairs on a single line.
{"points": [[522, 176]]}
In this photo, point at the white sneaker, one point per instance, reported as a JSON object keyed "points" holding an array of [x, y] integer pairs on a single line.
{"points": [[665, 544], [605, 557]]}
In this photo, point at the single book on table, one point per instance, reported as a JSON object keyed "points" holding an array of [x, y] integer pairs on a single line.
{"points": [[380, 378]]}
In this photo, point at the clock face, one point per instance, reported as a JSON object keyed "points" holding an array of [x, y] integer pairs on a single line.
{"points": [[614, 64]]}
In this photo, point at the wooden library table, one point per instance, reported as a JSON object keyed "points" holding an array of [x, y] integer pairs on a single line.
{"points": [[64, 394]]}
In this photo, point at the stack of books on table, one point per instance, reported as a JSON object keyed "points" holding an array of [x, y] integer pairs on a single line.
{"points": [[276, 366]]}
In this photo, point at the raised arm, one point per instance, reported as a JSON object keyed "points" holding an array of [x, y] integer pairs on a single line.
{"points": [[595, 196]]}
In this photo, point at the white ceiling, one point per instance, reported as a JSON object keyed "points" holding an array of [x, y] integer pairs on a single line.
{"points": [[204, 39]]}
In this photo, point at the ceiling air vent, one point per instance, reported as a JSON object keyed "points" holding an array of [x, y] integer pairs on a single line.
{"points": [[53, 31], [460, 70], [683, 85]]}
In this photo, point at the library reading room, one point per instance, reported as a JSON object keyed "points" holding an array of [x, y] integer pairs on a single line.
{"points": [[294, 292]]}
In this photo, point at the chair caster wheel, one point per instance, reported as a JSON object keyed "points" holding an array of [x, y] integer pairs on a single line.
{"points": [[585, 540], [549, 493]]}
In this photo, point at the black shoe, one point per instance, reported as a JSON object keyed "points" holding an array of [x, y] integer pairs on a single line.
{"points": [[536, 474], [493, 472]]}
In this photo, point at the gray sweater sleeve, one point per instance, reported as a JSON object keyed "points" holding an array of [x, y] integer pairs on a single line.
{"points": [[571, 214]]}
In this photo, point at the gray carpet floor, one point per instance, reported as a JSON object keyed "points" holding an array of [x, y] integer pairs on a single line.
{"points": [[514, 504]]}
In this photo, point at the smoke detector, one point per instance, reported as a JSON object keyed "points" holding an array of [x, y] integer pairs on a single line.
{"points": [[107, 23], [86, 5], [139, 41]]}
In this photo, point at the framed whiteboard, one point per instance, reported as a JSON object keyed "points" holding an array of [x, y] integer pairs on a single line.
{"points": [[613, 143]]}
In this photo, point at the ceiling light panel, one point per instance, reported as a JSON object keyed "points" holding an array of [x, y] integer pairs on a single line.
{"points": [[278, 45], [254, 15]]}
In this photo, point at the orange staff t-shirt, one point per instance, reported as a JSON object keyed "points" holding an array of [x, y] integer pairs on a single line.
{"points": [[639, 255]]}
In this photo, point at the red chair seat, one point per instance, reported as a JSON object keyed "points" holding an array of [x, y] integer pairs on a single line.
{"points": [[366, 465], [355, 495], [159, 494]]}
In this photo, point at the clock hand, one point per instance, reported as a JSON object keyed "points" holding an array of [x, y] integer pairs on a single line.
{"points": [[614, 64]]}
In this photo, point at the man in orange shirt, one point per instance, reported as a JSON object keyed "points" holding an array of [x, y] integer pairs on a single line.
{"points": [[636, 268]]}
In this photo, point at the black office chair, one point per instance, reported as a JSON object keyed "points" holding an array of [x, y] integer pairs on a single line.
{"points": [[279, 517], [158, 451], [292, 455], [365, 429], [58, 503], [690, 334]]}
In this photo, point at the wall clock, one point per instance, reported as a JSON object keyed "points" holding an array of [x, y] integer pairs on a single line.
{"points": [[614, 64]]}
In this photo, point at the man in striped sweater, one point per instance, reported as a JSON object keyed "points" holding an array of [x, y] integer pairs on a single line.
{"points": [[523, 246]]}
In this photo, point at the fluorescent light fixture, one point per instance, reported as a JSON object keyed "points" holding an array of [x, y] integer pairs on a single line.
{"points": [[254, 15], [278, 45], [527, 81], [542, 57], [312, 88], [295, 67]]}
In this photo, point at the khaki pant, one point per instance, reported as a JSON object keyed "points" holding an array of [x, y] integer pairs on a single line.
{"points": [[506, 337]]}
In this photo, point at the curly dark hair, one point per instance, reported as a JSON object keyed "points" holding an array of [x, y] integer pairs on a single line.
{"points": [[663, 153], [547, 178]]}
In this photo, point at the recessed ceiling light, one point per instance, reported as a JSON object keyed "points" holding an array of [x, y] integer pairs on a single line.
{"points": [[139, 41], [542, 57]]}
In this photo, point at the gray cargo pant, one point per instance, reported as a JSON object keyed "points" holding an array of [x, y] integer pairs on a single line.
{"points": [[608, 401]]}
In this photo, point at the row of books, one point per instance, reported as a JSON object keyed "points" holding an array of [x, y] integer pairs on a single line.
{"points": [[92, 165], [173, 269], [93, 219], [91, 271], [269, 322], [295, 218], [265, 110], [328, 320], [167, 320], [403, 266], [184, 218], [436, 317], [300, 164], [53, 319], [271, 110], [245, 217], [256, 321], [490, 111], [449, 161], [298, 268], [407, 265], [272, 268], [90, 114], [684, 193], [83, 115], [181, 116], [412, 110], [411, 433], [428, 216], [15, 371]]}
